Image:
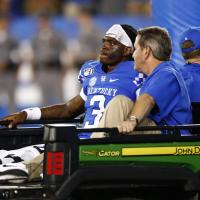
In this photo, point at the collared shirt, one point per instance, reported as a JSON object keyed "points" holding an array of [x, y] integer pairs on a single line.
{"points": [[166, 85], [191, 75]]}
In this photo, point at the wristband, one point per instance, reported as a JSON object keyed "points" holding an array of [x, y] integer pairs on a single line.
{"points": [[134, 118], [33, 113]]}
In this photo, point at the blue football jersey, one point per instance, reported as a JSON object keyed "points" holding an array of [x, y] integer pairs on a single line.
{"points": [[99, 87]]}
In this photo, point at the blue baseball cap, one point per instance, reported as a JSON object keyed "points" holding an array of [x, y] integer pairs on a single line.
{"points": [[190, 40]]}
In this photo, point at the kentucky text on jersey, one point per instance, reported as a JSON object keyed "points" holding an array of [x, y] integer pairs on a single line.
{"points": [[104, 91], [99, 87]]}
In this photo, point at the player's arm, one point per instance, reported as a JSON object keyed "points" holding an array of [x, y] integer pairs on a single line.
{"points": [[67, 110], [71, 109]]}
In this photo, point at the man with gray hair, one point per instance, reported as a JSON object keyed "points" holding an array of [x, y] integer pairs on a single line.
{"points": [[163, 97]]}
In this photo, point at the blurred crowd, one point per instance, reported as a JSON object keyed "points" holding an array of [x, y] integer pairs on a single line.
{"points": [[42, 68]]}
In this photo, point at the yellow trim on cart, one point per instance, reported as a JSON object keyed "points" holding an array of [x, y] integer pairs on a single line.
{"points": [[175, 150]]}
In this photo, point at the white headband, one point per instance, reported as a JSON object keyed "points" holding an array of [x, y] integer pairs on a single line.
{"points": [[117, 32]]}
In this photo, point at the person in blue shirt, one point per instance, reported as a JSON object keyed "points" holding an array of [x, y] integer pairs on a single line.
{"points": [[190, 47], [163, 97]]}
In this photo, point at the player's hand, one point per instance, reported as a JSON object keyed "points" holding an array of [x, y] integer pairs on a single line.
{"points": [[127, 127], [12, 120]]}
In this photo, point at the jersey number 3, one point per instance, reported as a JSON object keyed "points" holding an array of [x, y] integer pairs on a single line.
{"points": [[97, 113]]}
